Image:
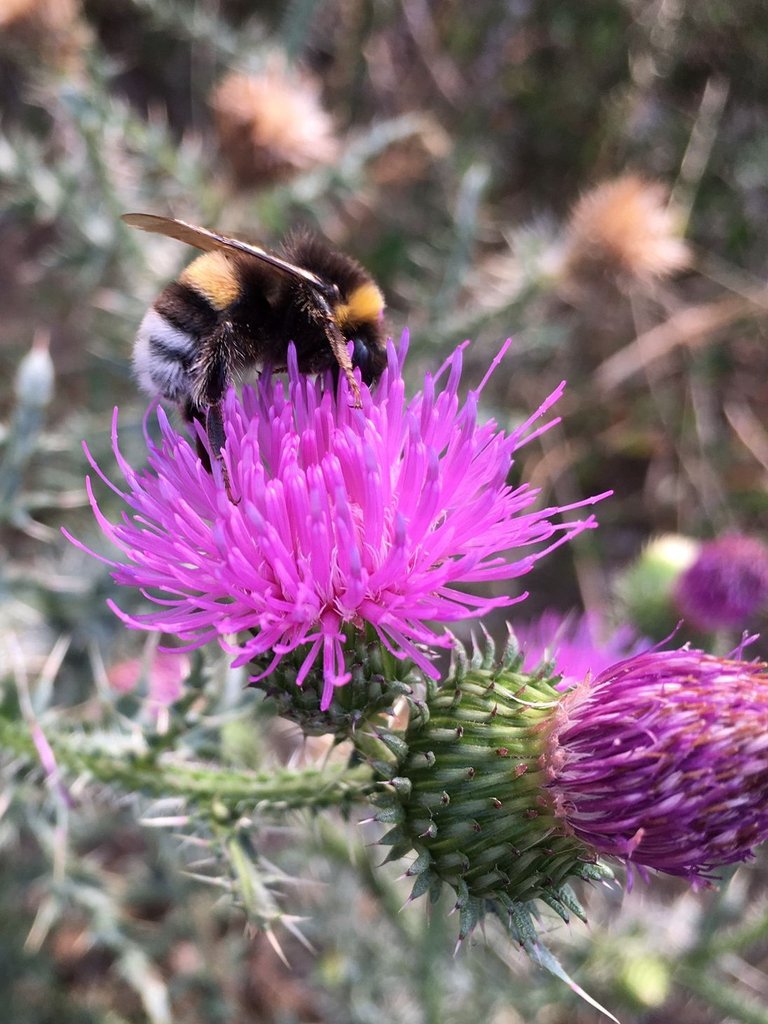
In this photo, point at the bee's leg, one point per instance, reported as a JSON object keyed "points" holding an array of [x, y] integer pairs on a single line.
{"points": [[338, 345], [194, 414], [213, 423], [217, 437], [216, 377], [335, 372], [214, 427]]}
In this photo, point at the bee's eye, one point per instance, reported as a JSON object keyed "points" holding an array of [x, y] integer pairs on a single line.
{"points": [[329, 293], [361, 355]]}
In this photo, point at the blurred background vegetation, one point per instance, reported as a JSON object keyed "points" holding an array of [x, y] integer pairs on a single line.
{"points": [[455, 150]]}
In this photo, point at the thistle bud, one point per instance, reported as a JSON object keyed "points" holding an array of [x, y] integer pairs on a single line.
{"points": [[662, 761], [50, 32], [646, 587], [272, 126], [476, 810], [507, 790], [33, 387], [726, 585]]}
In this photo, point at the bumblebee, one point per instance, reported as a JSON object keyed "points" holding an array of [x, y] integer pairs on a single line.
{"points": [[238, 306]]}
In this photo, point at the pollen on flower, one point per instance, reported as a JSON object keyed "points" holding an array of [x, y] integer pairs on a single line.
{"points": [[349, 519]]}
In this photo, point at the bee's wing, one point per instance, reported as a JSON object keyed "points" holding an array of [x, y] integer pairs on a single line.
{"points": [[202, 238]]}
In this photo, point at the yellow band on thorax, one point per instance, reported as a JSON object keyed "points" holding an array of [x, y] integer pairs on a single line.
{"points": [[364, 305], [214, 277]]}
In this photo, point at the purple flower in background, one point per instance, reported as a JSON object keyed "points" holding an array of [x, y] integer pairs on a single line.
{"points": [[348, 518], [663, 761], [726, 585], [165, 672], [578, 645]]}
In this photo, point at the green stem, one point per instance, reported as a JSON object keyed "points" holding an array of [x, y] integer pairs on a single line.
{"points": [[743, 938], [431, 951], [722, 996], [231, 790]]}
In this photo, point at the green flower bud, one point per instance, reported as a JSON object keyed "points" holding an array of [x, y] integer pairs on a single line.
{"points": [[646, 586], [471, 791], [377, 680], [645, 979]]}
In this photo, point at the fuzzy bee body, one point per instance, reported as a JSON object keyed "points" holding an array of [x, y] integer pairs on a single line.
{"points": [[237, 307]]}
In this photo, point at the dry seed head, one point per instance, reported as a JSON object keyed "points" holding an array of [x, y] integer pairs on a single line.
{"points": [[622, 230], [272, 125], [411, 158], [49, 12], [52, 29]]}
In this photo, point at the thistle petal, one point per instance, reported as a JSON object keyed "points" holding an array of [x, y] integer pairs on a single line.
{"points": [[347, 519]]}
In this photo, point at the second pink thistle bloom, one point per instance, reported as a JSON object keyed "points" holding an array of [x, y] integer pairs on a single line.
{"points": [[348, 518], [577, 645], [661, 760]]}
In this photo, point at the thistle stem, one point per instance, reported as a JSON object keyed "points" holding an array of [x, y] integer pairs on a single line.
{"points": [[231, 790]]}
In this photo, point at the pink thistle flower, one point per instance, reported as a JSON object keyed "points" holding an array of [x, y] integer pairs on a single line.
{"points": [[726, 585], [663, 761], [348, 518], [577, 645], [165, 674]]}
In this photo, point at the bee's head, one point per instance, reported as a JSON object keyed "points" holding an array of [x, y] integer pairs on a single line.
{"points": [[359, 315], [358, 312], [348, 296]]}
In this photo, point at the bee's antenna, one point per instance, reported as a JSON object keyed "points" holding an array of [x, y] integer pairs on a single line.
{"points": [[339, 348]]}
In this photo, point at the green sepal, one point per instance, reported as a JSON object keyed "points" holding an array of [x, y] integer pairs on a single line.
{"points": [[397, 851], [383, 769], [422, 863], [594, 871], [470, 913], [567, 897], [394, 743], [557, 905], [394, 836], [403, 787], [422, 885], [393, 814]]}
